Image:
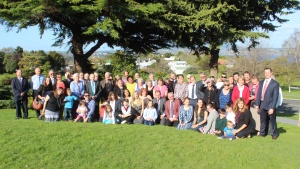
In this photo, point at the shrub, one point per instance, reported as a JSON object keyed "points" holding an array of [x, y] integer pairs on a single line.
{"points": [[191, 70], [6, 79], [6, 104]]}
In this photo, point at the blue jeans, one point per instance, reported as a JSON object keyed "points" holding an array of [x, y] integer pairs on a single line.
{"points": [[107, 121], [149, 123], [68, 113]]}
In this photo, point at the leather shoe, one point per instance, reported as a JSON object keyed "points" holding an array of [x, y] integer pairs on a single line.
{"points": [[274, 138]]}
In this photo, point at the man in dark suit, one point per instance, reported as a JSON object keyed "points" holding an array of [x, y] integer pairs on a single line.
{"points": [[20, 88], [106, 86], [67, 79], [266, 100], [93, 88], [200, 94], [159, 105]]}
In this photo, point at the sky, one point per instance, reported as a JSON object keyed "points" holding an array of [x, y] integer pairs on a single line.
{"points": [[29, 39]]}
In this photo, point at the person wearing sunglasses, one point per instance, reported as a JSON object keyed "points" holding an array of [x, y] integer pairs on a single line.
{"points": [[90, 104], [224, 95]]}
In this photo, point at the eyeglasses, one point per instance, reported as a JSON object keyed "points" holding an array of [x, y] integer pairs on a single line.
{"points": [[86, 95], [227, 85], [223, 76]]}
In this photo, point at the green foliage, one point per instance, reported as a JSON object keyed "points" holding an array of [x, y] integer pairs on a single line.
{"points": [[191, 70], [119, 62], [7, 104], [2, 69], [11, 63], [46, 67], [57, 60], [167, 55], [63, 144], [6, 79], [6, 93]]}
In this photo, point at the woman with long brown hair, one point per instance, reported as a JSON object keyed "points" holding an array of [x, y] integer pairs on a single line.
{"points": [[200, 115], [243, 119]]}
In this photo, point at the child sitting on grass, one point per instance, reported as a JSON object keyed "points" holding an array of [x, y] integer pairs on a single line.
{"points": [[108, 117], [81, 110], [150, 114], [220, 123], [228, 131]]}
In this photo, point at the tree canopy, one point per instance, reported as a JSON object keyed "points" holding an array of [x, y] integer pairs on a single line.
{"points": [[148, 25]]}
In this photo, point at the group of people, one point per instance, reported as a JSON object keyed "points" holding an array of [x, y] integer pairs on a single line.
{"points": [[229, 107]]}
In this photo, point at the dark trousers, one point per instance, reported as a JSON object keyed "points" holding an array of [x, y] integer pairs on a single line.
{"points": [[149, 123], [128, 119], [169, 123], [264, 122], [193, 102], [74, 108], [35, 95], [23, 104], [96, 112]]}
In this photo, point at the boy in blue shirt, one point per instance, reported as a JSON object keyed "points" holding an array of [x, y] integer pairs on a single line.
{"points": [[69, 99], [228, 131]]}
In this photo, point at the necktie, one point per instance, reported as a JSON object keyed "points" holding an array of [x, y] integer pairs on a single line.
{"points": [[93, 88], [20, 80], [158, 106], [264, 90], [193, 93], [172, 109]]}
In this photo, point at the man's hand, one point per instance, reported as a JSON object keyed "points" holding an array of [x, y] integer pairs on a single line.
{"points": [[271, 111], [162, 116]]}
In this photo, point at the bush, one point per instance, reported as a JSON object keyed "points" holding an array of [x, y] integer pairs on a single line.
{"points": [[6, 79], [6, 93], [191, 70], [7, 104]]}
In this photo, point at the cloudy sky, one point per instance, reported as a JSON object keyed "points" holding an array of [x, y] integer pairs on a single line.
{"points": [[29, 39]]}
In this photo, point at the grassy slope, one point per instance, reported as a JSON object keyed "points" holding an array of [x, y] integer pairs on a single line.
{"points": [[36, 144]]}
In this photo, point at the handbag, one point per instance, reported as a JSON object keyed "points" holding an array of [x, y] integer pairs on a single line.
{"points": [[37, 105]]}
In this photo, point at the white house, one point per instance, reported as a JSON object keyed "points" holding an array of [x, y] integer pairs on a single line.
{"points": [[178, 66], [144, 62]]}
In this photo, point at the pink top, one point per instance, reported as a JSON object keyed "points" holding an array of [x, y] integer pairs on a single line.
{"points": [[62, 85], [162, 90]]}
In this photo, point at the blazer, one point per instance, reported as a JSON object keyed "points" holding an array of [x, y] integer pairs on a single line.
{"points": [[236, 94], [88, 88], [161, 106], [176, 107], [271, 95], [199, 93], [210, 95], [19, 87]]}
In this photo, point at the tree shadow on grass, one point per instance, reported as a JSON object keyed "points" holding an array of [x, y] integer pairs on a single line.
{"points": [[281, 130]]}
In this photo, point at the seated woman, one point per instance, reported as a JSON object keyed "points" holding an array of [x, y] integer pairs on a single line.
{"points": [[211, 120], [200, 115], [137, 104], [161, 87], [150, 114], [114, 102], [127, 95], [186, 115], [126, 113], [244, 120]]}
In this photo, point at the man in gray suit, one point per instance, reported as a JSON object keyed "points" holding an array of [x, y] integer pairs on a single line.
{"points": [[266, 100], [159, 105], [200, 94], [94, 89]]}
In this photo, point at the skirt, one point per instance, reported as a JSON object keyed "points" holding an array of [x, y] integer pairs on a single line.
{"points": [[51, 116]]}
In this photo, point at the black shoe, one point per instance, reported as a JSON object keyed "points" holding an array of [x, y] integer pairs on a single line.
{"points": [[18, 117], [274, 138], [25, 117]]}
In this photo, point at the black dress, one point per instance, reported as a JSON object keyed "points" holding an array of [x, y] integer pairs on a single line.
{"points": [[245, 118]]}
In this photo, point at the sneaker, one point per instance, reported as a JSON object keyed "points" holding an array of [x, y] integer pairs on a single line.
{"points": [[230, 139], [123, 122]]}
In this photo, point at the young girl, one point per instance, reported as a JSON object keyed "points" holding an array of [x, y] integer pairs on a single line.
{"points": [[81, 110], [150, 114], [108, 117]]}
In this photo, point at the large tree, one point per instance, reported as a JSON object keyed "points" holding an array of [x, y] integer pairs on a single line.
{"points": [[211, 23], [132, 25]]}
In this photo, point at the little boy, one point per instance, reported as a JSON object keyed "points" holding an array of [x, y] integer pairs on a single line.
{"points": [[69, 99], [230, 116], [228, 131], [220, 123]]}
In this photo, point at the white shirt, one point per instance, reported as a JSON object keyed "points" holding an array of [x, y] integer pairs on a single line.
{"points": [[230, 116], [241, 89], [190, 90]]}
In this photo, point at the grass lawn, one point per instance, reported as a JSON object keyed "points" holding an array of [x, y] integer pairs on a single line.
{"points": [[294, 94], [36, 144], [287, 115]]}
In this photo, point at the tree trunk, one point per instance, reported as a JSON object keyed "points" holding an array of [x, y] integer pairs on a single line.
{"points": [[81, 62], [213, 63]]}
